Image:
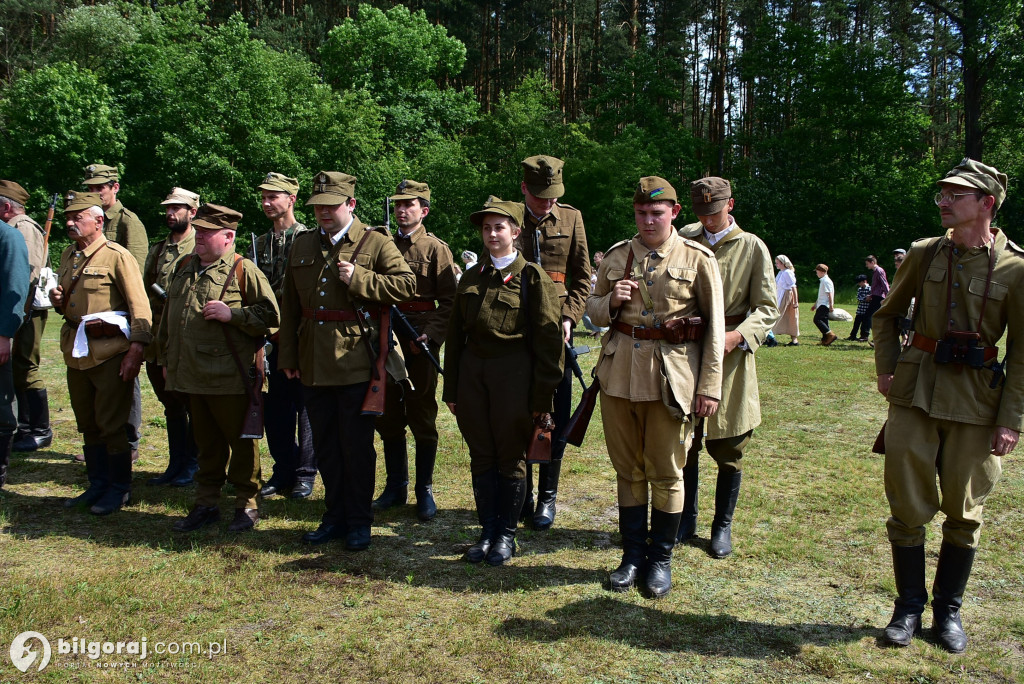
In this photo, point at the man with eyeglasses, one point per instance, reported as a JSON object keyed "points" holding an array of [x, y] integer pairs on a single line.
{"points": [[959, 408]]}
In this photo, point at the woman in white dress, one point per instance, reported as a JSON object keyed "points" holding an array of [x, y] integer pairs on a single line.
{"points": [[789, 305]]}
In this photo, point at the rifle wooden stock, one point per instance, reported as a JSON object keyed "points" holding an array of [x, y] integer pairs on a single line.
{"points": [[373, 402], [576, 429]]}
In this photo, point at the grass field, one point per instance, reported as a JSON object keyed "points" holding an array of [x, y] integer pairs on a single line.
{"points": [[803, 598]]}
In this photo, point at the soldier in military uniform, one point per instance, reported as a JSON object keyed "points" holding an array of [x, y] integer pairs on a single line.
{"points": [[748, 285], [952, 412], [181, 206], [107, 324], [285, 414], [333, 273], [219, 308], [502, 364], [432, 262], [33, 405], [553, 237], [124, 228], [14, 290], [660, 369]]}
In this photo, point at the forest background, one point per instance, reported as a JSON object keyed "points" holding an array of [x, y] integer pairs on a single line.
{"points": [[833, 118]]}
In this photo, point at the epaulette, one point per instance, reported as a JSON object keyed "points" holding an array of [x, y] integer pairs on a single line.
{"points": [[698, 246], [566, 206], [380, 229], [616, 246], [439, 240], [691, 230], [1014, 246]]}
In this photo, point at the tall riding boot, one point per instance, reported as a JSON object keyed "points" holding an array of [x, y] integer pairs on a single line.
{"points": [[688, 523], [664, 527], [727, 490], [511, 494], [547, 491], [96, 469], [485, 492], [396, 488], [189, 460], [911, 594], [426, 454], [948, 596], [633, 530], [177, 429], [24, 421], [528, 503], [38, 434], [119, 491], [5, 457]]}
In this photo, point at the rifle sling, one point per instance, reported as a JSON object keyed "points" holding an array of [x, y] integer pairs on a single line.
{"points": [[251, 389]]}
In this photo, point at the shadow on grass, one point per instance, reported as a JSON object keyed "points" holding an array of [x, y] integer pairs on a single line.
{"points": [[655, 629]]}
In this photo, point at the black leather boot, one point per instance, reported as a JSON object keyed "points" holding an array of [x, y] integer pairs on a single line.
{"points": [[177, 426], [633, 529], [119, 491], [485, 492], [396, 488], [951, 577], [5, 457], [688, 521], [189, 462], [547, 492], [37, 433], [426, 454], [511, 493], [528, 503], [727, 490], [96, 470], [911, 594], [664, 527]]}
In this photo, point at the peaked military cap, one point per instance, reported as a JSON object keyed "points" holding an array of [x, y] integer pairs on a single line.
{"points": [[410, 189], [216, 217], [278, 182], [654, 189], [977, 176], [182, 196], [98, 174], [709, 195], [496, 205], [543, 176], [332, 187], [76, 201], [9, 188]]}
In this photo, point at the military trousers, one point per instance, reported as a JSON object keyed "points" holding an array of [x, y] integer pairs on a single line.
{"points": [[25, 354], [493, 412], [175, 403], [343, 440], [647, 447], [217, 421], [562, 412], [8, 421], [102, 401], [415, 407], [727, 452], [919, 449], [289, 436]]}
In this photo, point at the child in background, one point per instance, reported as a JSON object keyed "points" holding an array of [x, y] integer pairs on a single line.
{"points": [[863, 290]]}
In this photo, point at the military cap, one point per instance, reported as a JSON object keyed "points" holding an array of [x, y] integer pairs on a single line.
{"points": [[543, 176], [709, 195], [496, 205], [76, 201], [182, 196], [98, 174], [278, 182], [654, 189], [9, 188], [216, 217], [410, 189], [332, 187], [973, 174], [899, 252]]}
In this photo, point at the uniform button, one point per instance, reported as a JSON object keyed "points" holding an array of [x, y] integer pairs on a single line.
{"points": [[72, 303], [321, 307], [322, 293], [323, 280], [959, 267], [650, 270], [956, 284], [636, 345], [650, 283], [952, 305], [643, 313], [320, 323]]}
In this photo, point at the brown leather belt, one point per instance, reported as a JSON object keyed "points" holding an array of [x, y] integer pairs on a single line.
{"points": [[639, 333], [927, 344], [676, 331], [735, 320], [557, 277], [416, 306], [335, 314]]}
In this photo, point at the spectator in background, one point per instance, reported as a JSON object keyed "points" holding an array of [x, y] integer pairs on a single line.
{"points": [[879, 289], [787, 300], [898, 255], [863, 291], [824, 304], [469, 258], [594, 330]]}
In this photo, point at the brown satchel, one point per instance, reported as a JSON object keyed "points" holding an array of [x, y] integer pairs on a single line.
{"points": [[252, 426], [539, 449]]}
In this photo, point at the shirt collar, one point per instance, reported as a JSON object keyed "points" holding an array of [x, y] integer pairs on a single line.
{"points": [[336, 238], [713, 238]]}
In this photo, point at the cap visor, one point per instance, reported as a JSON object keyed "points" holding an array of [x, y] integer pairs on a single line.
{"points": [[477, 217], [708, 209], [546, 191], [958, 180], [330, 199]]}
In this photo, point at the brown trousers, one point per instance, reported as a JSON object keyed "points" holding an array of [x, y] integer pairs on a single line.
{"points": [[217, 423]]}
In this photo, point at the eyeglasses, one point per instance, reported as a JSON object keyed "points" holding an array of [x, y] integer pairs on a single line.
{"points": [[951, 197]]}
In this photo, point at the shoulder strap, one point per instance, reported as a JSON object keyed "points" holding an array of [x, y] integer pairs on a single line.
{"points": [[235, 274]]}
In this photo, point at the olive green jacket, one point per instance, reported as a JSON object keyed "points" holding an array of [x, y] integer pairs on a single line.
{"points": [[125, 228], [432, 262], [563, 249], [159, 267]]}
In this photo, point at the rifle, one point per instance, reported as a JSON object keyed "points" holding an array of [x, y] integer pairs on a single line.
{"points": [[387, 214], [41, 281], [252, 245], [576, 429], [407, 331], [373, 402]]}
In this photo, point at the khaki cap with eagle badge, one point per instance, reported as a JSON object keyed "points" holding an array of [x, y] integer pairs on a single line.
{"points": [[77, 201], [496, 205], [98, 174], [709, 195], [410, 189], [332, 188], [543, 176]]}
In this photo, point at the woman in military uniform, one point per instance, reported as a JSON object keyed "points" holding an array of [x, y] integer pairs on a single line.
{"points": [[503, 362]]}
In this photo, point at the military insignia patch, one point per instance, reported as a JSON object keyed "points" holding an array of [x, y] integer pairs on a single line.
{"points": [[657, 191], [706, 194]]}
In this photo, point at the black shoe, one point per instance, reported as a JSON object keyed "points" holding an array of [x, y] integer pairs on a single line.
{"points": [[485, 493], [908, 569], [691, 477], [358, 538], [6, 444], [426, 509], [28, 442], [511, 492], [165, 477], [727, 490], [35, 434], [97, 472], [633, 529], [186, 476], [197, 517], [325, 533], [245, 520], [547, 493], [664, 527], [396, 486], [273, 487], [119, 491], [529, 505], [394, 494], [951, 575], [302, 490]]}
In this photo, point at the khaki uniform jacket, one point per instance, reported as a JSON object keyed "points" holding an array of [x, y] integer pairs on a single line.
{"points": [[563, 249], [34, 237], [431, 260], [683, 281], [748, 289], [159, 268], [954, 391], [490, 320], [272, 255], [125, 228], [332, 353], [111, 281], [193, 349]]}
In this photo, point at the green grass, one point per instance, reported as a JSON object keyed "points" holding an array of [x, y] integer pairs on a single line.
{"points": [[803, 598]]}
